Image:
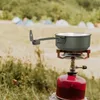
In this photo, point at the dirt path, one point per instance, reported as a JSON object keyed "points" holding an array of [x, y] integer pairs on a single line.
{"points": [[15, 40]]}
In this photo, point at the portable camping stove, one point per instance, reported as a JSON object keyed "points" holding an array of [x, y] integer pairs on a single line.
{"points": [[70, 86]]}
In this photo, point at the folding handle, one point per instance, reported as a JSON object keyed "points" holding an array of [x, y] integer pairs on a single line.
{"points": [[37, 41], [34, 42], [31, 35]]}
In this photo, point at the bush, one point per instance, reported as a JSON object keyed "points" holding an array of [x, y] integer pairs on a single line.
{"points": [[6, 15], [25, 81]]}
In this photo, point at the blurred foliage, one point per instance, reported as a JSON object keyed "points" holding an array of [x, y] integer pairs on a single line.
{"points": [[71, 10], [23, 81]]}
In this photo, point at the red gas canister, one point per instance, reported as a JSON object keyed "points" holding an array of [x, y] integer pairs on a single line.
{"points": [[71, 87]]}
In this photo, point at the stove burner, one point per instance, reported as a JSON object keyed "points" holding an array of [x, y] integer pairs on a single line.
{"points": [[72, 53]]}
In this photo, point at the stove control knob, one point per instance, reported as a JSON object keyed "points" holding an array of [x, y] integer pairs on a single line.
{"points": [[84, 67]]}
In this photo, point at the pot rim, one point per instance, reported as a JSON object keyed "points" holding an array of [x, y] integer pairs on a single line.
{"points": [[70, 34]]}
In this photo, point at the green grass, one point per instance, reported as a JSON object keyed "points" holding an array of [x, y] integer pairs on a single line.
{"points": [[23, 81]]}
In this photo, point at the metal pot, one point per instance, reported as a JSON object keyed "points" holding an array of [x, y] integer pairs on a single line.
{"points": [[73, 41], [67, 41]]}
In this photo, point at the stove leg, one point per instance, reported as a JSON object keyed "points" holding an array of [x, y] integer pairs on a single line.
{"points": [[88, 54]]}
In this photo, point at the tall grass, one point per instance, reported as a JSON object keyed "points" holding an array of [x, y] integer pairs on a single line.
{"points": [[23, 81]]}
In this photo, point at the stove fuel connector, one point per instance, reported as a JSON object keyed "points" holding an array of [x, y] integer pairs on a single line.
{"points": [[83, 67]]}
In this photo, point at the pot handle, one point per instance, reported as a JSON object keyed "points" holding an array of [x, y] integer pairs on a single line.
{"points": [[59, 40], [37, 41]]}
